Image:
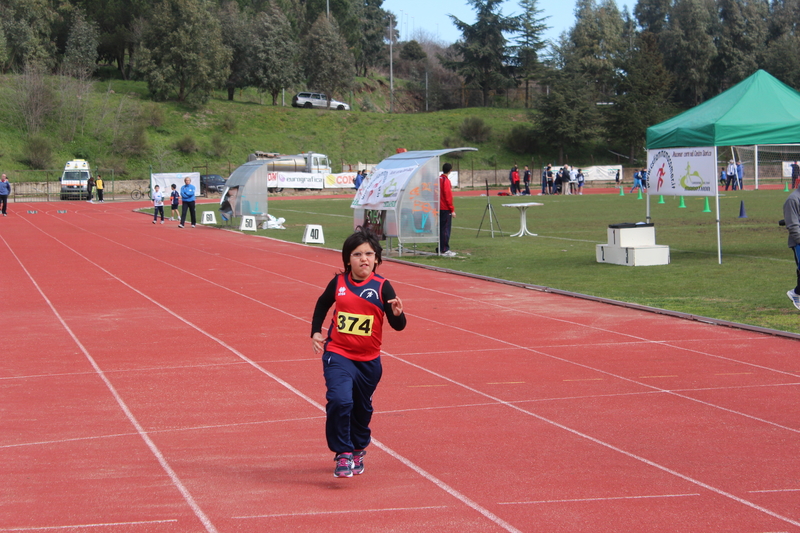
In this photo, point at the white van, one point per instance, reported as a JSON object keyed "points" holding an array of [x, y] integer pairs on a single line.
{"points": [[73, 180]]}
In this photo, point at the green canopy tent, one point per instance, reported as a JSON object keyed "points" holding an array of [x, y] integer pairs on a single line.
{"points": [[760, 110]]}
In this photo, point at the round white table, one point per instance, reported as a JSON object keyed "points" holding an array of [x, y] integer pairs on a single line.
{"points": [[523, 217]]}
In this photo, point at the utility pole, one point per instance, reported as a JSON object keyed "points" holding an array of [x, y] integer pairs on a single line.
{"points": [[391, 70]]}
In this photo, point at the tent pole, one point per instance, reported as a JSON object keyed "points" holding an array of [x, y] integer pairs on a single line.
{"points": [[648, 202], [716, 197]]}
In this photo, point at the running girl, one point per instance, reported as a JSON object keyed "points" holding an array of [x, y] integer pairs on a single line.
{"points": [[351, 354]]}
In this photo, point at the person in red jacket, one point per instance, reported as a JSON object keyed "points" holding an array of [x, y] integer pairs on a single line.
{"points": [[351, 353], [447, 211]]}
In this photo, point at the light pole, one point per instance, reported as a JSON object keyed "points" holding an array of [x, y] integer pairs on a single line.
{"points": [[391, 70]]}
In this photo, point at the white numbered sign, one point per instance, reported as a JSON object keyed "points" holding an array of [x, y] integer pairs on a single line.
{"points": [[313, 234], [209, 217], [248, 224]]}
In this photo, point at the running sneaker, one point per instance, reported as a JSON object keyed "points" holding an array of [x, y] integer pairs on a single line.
{"points": [[180, 225], [449, 253], [358, 461], [344, 465], [794, 297]]}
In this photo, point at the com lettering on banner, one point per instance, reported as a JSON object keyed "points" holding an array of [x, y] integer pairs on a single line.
{"points": [[682, 171], [340, 181]]}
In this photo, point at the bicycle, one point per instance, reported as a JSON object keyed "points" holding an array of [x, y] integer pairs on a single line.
{"points": [[138, 194]]}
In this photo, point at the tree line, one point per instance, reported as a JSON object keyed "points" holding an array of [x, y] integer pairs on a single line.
{"points": [[604, 80]]}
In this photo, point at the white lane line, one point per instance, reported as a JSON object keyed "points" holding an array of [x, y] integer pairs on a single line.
{"points": [[347, 511], [607, 445], [576, 500], [80, 526], [602, 443], [430, 477], [139, 429]]}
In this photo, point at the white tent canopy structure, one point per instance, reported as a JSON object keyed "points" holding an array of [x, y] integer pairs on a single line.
{"points": [[400, 197], [246, 192]]}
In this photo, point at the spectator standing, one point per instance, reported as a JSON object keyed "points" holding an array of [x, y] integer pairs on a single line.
{"points": [[174, 197], [643, 178], [544, 181], [511, 180], [100, 187], [515, 189], [795, 174], [551, 184], [616, 178], [447, 211], [526, 179], [89, 187], [5, 191], [739, 175], [188, 199], [158, 204], [637, 181], [359, 179], [573, 180], [730, 174], [791, 214], [581, 178]]}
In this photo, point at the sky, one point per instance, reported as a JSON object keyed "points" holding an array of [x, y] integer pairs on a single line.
{"points": [[431, 17]]}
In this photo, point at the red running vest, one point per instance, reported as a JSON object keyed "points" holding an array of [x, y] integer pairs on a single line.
{"points": [[356, 331]]}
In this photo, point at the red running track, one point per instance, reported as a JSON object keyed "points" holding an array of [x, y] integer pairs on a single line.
{"points": [[157, 379]]}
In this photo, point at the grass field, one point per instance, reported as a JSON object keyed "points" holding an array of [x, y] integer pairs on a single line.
{"points": [[748, 287]]}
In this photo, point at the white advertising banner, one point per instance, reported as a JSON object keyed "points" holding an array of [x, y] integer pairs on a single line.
{"points": [[165, 181], [605, 173], [682, 171], [340, 181], [381, 188], [295, 180]]}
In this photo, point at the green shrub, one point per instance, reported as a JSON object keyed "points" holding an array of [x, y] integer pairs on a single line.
{"points": [[38, 153], [475, 130], [219, 146], [186, 145], [228, 123], [522, 139]]}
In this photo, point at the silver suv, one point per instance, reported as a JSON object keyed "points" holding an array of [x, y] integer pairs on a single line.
{"points": [[318, 100]]}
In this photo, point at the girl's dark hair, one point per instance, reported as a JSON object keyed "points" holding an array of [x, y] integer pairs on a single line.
{"points": [[362, 235]]}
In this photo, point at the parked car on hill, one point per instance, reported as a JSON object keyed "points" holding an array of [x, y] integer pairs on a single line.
{"points": [[318, 100]]}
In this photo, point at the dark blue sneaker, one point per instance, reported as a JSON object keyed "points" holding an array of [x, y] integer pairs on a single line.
{"points": [[344, 465], [358, 461]]}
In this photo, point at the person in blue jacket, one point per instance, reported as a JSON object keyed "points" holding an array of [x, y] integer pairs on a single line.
{"points": [[187, 197], [5, 190]]}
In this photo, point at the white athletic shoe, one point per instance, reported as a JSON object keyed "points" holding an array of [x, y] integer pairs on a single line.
{"points": [[794, 297], [449, 253]]}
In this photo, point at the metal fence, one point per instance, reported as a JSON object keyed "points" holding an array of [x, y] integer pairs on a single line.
{"points": [[45, 185]]}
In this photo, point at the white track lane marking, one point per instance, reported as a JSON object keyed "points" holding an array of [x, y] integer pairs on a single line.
{"points": [[81, 526], [609, 446], [430, 477], [610, 498], [348, 511], [139, 429], [597, 441], [611, 374]]}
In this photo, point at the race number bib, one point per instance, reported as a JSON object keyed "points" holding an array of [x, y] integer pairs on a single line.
{"points": [[354, 324]]}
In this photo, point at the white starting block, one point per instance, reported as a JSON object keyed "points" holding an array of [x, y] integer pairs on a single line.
{"points": [[209, 217], [632, 245], [248, 223], [313, 234]]}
